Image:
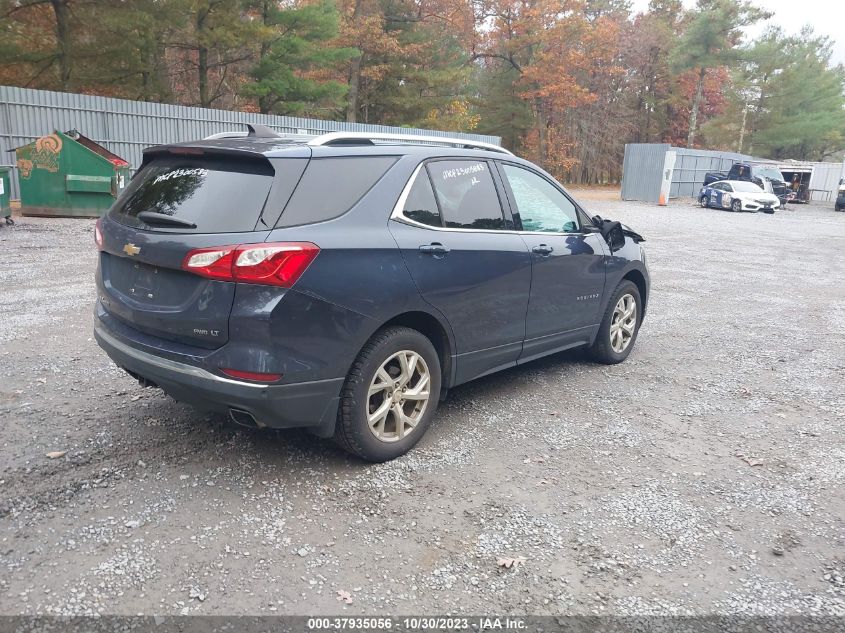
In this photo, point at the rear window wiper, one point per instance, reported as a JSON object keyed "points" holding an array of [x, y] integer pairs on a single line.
{"points": [[151, 217]]}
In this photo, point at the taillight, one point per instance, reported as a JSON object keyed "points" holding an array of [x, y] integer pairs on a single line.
{"points": [[98, 234], [214, 263], [273, 264]]}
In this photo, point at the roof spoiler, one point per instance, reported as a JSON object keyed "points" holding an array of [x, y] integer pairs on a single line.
{"points": [[261, 131]]}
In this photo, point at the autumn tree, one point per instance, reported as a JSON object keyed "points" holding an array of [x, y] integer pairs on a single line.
{"points": [[365, 29], [646, 44], [599, 127], [563, 60], [412, 58], [711, 40]]}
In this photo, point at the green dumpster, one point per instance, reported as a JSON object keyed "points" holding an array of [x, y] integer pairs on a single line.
{"points": [[68, 174], [6, 194]]}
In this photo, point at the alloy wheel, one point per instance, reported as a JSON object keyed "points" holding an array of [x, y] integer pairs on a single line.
{"points": [[398, 396], [623, 324]]}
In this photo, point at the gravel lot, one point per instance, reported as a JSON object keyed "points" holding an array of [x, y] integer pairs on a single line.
{"points": [[704, 475]]}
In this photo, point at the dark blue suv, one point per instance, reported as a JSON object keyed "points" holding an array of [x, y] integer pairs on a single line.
{"points": [[345, 282]]}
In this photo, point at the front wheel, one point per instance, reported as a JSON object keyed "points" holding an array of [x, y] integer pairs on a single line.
{"points": [[390, 395], [620, 325], [704, 201], [736, 206]]}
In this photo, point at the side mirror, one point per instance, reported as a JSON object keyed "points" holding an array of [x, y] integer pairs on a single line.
{"points": [[613, 234], [611, 231]]}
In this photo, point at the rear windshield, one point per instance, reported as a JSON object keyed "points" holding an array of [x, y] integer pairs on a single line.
{"points": [[218, 195]]}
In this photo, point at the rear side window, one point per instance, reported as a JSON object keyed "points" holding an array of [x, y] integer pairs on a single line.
{"points": [[217, 195], [421, 206], [467, 194], [331, 186]]}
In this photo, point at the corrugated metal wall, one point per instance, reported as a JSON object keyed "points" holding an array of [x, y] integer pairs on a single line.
{"points": [[824, 181], [127, 127], [641, 171], [692, 164]]}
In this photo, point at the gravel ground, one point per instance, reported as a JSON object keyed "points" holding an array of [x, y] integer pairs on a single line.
{"points": [[702, 476]]}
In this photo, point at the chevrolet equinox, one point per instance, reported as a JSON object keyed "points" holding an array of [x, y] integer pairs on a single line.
{"points": [[343, 283]]}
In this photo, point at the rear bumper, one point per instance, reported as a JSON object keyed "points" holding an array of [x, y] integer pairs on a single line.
{"points": [[305, 404]]}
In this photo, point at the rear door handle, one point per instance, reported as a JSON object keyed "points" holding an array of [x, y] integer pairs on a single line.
{"points": [[435, 248], [542, 249]]}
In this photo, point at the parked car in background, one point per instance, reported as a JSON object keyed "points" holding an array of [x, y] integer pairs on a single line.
{"points": [[768, 177], [346, 282], [738, 195], [840, 199]]}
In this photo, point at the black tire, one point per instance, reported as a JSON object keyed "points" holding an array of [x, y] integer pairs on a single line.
{"points": [[704, 201], [769, 211], [736, 206], [601, 350], [353, 432]]}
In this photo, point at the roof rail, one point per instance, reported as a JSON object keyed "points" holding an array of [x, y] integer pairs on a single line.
{"points": [[350, 138]]}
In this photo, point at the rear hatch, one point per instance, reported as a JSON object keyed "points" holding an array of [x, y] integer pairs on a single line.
{"points": [[180, 200]]}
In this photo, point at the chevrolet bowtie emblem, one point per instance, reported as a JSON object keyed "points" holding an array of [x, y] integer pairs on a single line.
{"points": [[131, 249]]}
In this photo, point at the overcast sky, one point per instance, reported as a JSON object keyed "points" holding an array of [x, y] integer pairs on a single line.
{"points": [[825, 16]]}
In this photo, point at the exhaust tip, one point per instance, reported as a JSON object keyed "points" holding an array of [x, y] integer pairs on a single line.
{"points": [[243, 418], [144, 382]]}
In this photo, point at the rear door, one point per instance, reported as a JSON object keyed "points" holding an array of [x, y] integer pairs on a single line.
{"points": [[466, 261], [174, 204], [568, 264]]}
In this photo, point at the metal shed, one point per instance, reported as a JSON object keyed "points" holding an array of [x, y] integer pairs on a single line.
{"points": [[642, 171], [643, 165]]}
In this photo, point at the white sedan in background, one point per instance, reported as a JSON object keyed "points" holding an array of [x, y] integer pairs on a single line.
{"points": [[738, 195]]}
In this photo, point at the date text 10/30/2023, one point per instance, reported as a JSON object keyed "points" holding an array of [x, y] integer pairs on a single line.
{"points": [[421, 623]]}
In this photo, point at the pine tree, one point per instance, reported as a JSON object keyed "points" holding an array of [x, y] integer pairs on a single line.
{"points": [[801, 105], [294, 46]]}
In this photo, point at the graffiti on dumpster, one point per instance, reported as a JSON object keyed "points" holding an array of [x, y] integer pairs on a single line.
{"points": [[25, 167], [45, 155]]}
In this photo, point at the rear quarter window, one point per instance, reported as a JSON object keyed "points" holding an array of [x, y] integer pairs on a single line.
{"points": [[218, 195], [331, 186]]}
